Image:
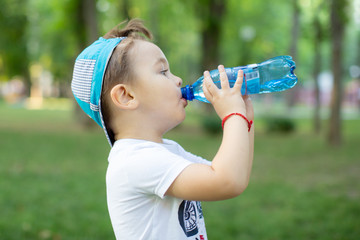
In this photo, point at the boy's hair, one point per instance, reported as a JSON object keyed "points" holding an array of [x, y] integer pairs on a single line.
{"points": [[119, 69]]}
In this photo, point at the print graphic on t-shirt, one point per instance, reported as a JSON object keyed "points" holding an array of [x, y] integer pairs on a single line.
{"points": [[187, 217], [199, 208]]}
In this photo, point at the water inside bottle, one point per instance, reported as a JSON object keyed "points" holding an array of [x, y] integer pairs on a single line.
{"points": [[277, 77]]}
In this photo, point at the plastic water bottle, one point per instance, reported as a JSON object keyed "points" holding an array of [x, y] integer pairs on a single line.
{"points": [[273, 75]]}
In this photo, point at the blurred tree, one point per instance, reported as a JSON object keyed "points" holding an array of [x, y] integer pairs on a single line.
{"points": [[255, 30], [293, 50], [358, 64], [211, 35], [295, 29], [317, 68], [90, 20], [86, 29], [319, 35], [125, 9], [194, 35], [13, 40], [175, 26], [87, 32], [53, 39], [212, 18], [338, 19], [154, 16]]}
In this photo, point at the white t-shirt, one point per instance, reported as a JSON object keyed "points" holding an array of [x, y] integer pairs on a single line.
{"points": [[138, 176]]}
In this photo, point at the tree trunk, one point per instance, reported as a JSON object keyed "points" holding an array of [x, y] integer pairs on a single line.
{"points": [[154, 23], [317, 68], [87, 31], [90, 20], [211, 12], [27, 79], [211, 34], [211, 38], [125, 9], [337, 20], [295, 31], [358, 64]]}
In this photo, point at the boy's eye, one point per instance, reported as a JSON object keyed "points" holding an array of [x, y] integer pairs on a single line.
{"points": [[163, 72]]}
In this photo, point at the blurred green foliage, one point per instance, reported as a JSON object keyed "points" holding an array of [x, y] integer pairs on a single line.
{"points": [[278, 124], [52, 181], [211, 123], [52, 33], [14, 57]]}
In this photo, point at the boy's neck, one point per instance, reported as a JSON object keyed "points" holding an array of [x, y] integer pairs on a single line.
{"points": [[136, 125], [136, 129], [139, 137]]}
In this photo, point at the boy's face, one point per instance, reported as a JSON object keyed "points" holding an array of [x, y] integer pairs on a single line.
{"points": [[156, 88]]}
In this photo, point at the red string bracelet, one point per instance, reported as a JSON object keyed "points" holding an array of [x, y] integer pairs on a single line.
{"points": [[238, 114]]}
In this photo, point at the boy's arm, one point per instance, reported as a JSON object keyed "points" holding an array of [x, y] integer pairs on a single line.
{"points": [[229, 173], [250, 115]]}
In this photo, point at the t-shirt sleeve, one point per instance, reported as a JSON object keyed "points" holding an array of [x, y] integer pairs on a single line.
{"points": [[192, 157], [152, 171], [196, 159]]}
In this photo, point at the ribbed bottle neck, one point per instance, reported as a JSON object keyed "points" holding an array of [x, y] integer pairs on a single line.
{"points": [[187, 92]]}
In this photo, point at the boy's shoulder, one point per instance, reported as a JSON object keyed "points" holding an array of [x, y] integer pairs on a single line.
{"points": [[139, 143], [136, 146]]}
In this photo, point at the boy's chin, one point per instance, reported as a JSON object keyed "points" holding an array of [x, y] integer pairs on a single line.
{"points": [[178, 123], [183, 118]]}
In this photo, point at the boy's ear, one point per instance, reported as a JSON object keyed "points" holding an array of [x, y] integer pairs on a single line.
{"points": [[122, 96]]}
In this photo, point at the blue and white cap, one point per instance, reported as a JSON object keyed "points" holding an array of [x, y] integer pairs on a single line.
{"points": [[88, 75]]}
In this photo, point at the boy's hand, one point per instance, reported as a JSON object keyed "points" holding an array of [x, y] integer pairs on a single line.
{"points": [[226, 100], [249, 107]]}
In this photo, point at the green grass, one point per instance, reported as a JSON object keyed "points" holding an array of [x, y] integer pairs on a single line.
{"points": [[52, 181]]}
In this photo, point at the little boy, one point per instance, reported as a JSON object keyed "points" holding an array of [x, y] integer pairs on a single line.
{"points": [[154, 186]]}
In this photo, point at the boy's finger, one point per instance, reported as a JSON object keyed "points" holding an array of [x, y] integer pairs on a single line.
{"points": [[223, 77], [246, 98], [207, 94], [208, 84], [239, 81]]}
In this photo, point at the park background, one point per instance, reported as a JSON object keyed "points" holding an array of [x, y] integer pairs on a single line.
{"points": [[305, 179]]}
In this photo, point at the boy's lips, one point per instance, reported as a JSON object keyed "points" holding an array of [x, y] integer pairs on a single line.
{"points": [[184, 101]]}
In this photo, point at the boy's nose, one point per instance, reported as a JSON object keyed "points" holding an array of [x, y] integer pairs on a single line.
{"points": [[179, 81]]}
